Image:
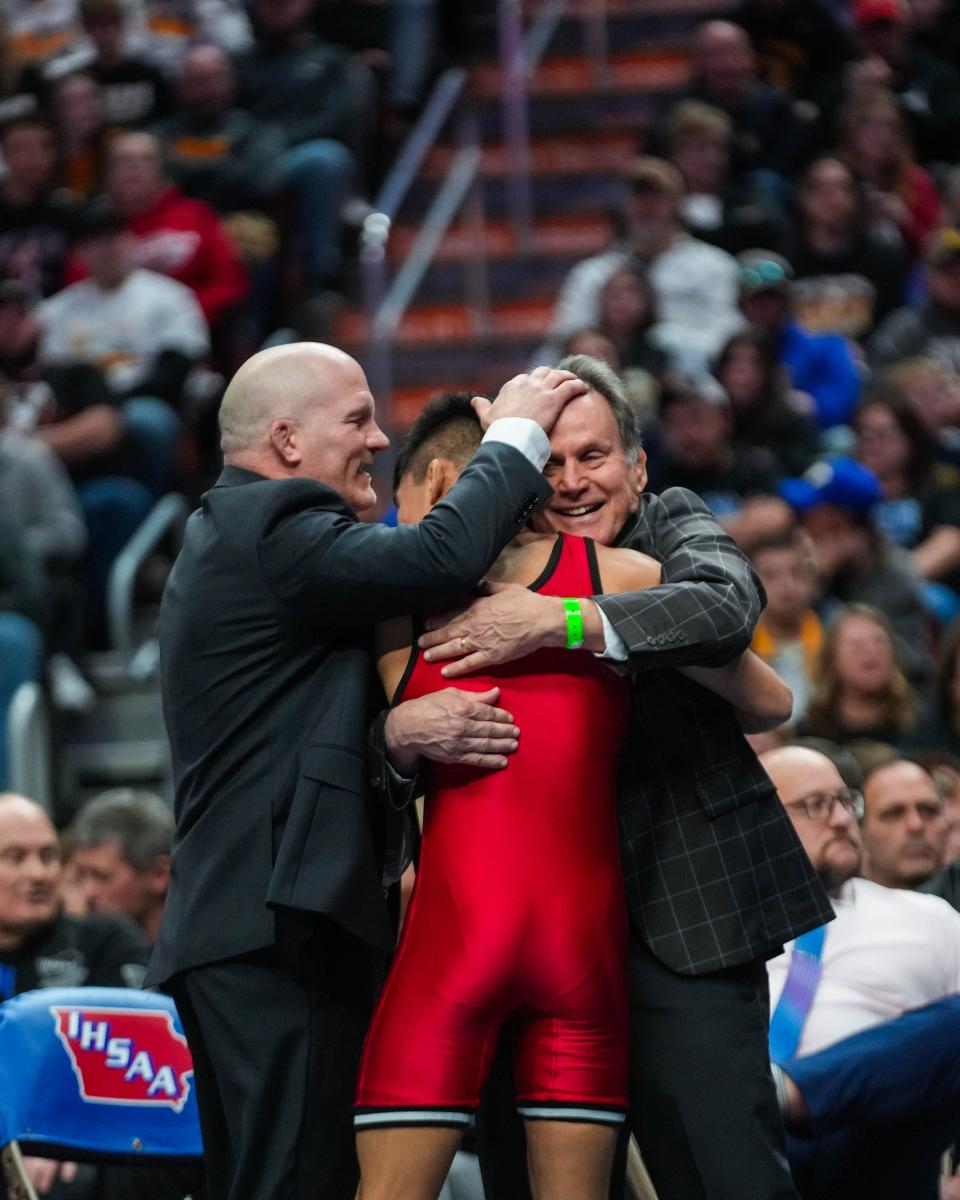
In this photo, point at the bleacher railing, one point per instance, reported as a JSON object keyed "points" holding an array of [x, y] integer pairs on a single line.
{"points": [[520, 55], [386, 301]]}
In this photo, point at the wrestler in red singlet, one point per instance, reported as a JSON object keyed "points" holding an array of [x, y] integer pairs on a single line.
{"points": [[518, 908]]}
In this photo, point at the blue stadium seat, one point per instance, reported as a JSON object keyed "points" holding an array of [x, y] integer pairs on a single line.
{"points": [[94, 1075]]}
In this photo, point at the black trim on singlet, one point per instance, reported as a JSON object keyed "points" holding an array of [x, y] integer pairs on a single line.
{"points": [[418, 625], [551, 566], [595, 581], [412, 1116], [418, 628]]}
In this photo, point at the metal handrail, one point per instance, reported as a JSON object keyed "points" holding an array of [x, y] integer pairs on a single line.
{"points": [[169, 514], [385, 305], [423, 137], [520, 55], [446, 205], [541, 31], [29, 746]]}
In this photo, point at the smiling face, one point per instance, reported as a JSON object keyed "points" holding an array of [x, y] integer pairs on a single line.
{"points": [[595, 486], [337, 440], [29, 869]]}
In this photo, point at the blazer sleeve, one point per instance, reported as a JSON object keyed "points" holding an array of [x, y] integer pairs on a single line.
{"points": [[327, 568], [705, 610]]}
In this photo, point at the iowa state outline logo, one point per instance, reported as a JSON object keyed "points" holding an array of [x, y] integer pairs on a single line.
{"points": [[126, 1056]]}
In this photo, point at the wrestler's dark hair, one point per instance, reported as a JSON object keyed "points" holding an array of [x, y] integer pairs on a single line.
{"points": [[447, 427], [602, 379]]}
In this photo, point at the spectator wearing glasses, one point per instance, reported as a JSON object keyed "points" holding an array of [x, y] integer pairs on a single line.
{"points": [[819, 366], [888, 951]]}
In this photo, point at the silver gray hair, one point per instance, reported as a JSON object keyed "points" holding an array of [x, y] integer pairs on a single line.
{"points": [[603, 380], [140, 822]]}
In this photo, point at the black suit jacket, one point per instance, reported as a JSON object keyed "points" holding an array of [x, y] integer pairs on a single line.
{"points": [[715, 874], [267, 675]]}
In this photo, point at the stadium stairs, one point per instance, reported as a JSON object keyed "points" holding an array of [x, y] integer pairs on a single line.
{"points": [[582, 130]]}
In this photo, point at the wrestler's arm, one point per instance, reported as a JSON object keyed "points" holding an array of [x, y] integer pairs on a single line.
{"points": [[761, 700], [759, 697], [702, 612]]}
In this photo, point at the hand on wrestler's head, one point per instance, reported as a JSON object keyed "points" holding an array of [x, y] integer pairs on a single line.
{"points": [[539, 396]]}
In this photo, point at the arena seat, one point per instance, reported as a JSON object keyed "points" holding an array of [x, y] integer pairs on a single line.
{"points": [[94, 1075]]}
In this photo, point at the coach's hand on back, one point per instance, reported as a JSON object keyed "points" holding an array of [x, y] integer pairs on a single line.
{"points": [[452, 726], [540, 396]]}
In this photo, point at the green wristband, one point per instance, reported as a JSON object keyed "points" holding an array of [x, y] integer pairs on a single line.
{"points": [[574, 623]]}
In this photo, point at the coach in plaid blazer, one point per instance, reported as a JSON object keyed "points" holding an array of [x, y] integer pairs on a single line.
{"points": [[716, 879], [715, 875]]}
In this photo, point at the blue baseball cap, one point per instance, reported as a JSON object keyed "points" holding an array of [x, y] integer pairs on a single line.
{"points": [[838, 481]]}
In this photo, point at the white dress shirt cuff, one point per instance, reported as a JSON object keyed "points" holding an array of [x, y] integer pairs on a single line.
{"points": [[616, 647], [524, 435]]}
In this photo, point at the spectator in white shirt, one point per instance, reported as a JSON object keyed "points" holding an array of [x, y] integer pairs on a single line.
{"points": [[695, 285], [889, 951], [142, 331]]}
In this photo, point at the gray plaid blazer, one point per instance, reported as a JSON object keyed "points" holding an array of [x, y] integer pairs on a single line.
{"points": [[715, 874]]}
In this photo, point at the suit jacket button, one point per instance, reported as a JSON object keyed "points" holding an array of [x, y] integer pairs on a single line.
{"points": [[681, 635], [651, 641]]}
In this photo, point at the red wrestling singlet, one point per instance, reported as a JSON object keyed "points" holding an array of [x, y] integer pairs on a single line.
{"points": [[518, 910]]}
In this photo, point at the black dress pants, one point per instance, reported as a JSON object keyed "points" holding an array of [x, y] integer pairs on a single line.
{"points": [[276, 1038], [703, 1105], [702, 1102]]}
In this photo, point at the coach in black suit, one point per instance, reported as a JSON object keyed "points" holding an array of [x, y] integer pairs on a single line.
{"points": [[276, 926], [716, 879]]}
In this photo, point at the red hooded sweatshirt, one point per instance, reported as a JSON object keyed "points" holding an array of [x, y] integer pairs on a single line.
{"points": [[186, 240]]}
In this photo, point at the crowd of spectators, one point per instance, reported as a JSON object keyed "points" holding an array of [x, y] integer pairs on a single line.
{"points": [[177, 179], [784, 305], [783, 301], [782, 298]]}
